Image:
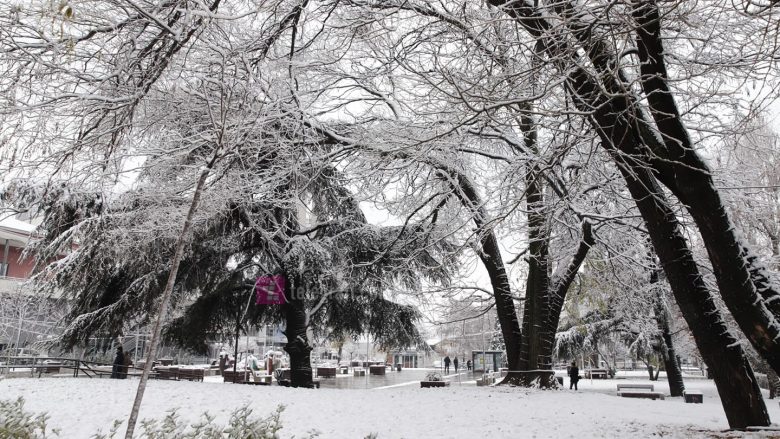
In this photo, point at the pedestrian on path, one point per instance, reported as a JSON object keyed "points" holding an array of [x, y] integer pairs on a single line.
{"points": [[119, 362], [455, 363], [447, 364], [126, 363], [574, 373]]}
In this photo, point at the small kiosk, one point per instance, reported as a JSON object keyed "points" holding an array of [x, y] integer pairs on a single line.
{"points": [[486, 361]]}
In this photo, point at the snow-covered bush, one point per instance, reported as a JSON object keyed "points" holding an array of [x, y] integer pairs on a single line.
{"points": [[15, 423], [433, 376]]}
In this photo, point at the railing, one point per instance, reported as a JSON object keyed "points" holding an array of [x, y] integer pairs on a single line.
{"points": [[90, 369]]}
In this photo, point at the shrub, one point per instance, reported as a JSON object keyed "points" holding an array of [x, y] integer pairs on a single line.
{"points": [[17, 423]]}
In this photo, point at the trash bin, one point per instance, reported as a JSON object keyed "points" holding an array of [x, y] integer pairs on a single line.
{"points": [[398, 367]]}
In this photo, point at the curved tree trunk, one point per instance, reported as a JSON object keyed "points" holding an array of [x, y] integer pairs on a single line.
{"points": [[490, 255], [544, 295], [749, 296], [737, 386]]}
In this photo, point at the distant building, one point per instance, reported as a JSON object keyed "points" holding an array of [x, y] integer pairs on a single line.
{"points": [[14, 236]]}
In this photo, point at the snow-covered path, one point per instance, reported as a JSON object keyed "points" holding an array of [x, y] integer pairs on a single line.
{"points": [[79, 407]]}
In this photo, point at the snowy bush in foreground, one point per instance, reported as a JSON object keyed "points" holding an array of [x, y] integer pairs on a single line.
{"points": [[15, 423]]}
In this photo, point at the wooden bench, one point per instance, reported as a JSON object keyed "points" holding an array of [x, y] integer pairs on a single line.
{"points": [[326, 372], [430, 384], [377, 369], [263, 380], [645, 395], [191, 374], [486, 380], [168, 373], [359, 372], [693, 397], [287, 383], [597, 374], [47, 368], [238, 377], [649, 387]]}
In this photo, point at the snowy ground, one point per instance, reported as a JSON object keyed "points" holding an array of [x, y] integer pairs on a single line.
{"points": [[79, 407]]}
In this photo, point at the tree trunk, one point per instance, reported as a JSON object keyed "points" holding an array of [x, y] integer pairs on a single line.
{"points": [[733, 375], [669, 355], [166, 295], [490, 255], [537, 288], [774, 383], [297, 344], [749, 296], [671, 364], [544, 297], [235, 345]]}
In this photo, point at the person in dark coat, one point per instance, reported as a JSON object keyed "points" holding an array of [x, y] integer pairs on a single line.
{"points": [[455, 363], [222, 362], [128, 361], [574, 373], [119, 362], [447, 364], [468, 364]]}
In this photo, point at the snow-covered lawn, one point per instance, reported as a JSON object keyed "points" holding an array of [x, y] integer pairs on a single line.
{"points": [[79, 407]]}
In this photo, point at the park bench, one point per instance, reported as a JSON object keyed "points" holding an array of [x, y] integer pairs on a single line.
{"points": [[359, 372], [431, 384], [693, 397], [47, 368], [486, 380], [377, 369], [238, 377], [326, 372], [649, 387], [288, 383], [167, 373], [638, 391], [645, 395], [263, 380], [191, 374], [597, 374]]}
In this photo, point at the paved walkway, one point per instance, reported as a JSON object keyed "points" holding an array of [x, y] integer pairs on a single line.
{"points": [[407, 377]]}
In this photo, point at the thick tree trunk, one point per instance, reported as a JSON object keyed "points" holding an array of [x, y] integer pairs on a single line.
{"points": [[749, 296], [298, 344], [533, 354], [490, 255], [733, 375], [671, 364], [669, 355]]}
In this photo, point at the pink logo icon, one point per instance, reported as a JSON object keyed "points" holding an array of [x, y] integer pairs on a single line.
{"points": [[270, 290]]}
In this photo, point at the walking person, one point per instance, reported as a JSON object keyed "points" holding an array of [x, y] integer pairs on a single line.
{"points": [[455, 363], [574, 374], [119, 362], [468, 364], [128, 361], [447, 364]]}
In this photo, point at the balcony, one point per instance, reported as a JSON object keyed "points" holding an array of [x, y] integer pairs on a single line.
{"points": [[10, 284]]}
